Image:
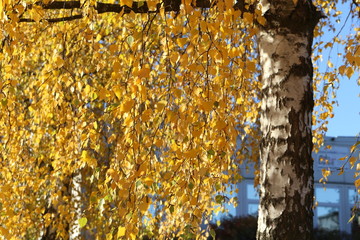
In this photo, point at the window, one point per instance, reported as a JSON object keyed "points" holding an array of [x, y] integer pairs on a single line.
{"points": [[253, 209], [251, 192], [252, 200], [328, 195], [328, 218], [353, 196], [328, 209]]}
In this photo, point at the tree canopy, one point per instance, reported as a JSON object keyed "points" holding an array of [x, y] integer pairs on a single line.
{"points": [[150, 106]]}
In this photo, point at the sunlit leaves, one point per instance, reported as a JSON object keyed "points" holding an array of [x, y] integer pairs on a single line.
{"points": [[121, 232], [148, 108], [82, 222]]}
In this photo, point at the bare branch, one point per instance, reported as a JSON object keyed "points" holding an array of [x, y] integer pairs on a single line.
{"points": [[53, 20], [59, 5], [137, 7]]}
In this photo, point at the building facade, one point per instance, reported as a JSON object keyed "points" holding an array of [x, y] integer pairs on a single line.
{"points": [[335, 199]]}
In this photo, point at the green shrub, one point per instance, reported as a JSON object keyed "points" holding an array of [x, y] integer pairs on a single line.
{"points": [[244, 228], [235, 228]]}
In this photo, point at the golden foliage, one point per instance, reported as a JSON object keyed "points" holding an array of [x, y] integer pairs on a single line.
{"points": [[146, 107]]}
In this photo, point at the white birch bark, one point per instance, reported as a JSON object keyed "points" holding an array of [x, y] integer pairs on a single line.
{"points": [[76, 183], [286, 171]]}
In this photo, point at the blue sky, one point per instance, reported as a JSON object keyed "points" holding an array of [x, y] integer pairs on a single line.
{"points": [[346, 121]]}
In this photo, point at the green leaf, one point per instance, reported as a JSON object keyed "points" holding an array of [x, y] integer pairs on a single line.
{"points": [[82, 222], [219, 199], [211, 152], [130, 40], [138, 183], [171, 209], [212, 233]]}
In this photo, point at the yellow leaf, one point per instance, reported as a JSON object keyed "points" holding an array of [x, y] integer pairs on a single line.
{"points": [[98, 38], [126, 2], [146, 115], [248, 17], [193, 201], [114, 175], [167, 175], [161, 105], [122, 211], [159, 143], [127, 105], [87, 90], [103, 93], [251, 66], [353, 147], [349, 72], [59, 62], [261, 20], [121, 232], [352, 161], [357, 183], [5, 232], [330, 64], [1, 9], [342, 69], [174, 57], [192, 153], [148, 181], [221, 124], [143, 207], [86, 157], [221, 142], [109, 236], [144, 72], [181, 42], [177, 92], [196, 133], [325, 173], [116, 66], [352, 218], [82, 222], [206, 106], [329, 44], [187, 5], [117, 90], [142, 169], [35, 13], [152, 5]]}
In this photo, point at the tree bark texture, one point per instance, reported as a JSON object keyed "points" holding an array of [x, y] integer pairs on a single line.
{"points": [[286, 170]]}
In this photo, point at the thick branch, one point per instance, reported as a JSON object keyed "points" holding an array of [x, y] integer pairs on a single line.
{"points": [[53, 20], [60, 5], [137, 7]]}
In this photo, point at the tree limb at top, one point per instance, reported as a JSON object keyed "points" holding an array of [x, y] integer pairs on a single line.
{"points": [[137, 7]]}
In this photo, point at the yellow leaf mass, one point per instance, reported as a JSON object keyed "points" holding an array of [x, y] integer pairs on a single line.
{"points": [[129, 107], [121, 232], [126, 105]]}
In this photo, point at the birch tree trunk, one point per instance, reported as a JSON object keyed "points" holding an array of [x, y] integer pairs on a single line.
{"points": [[286, 178], [76, 192]]}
